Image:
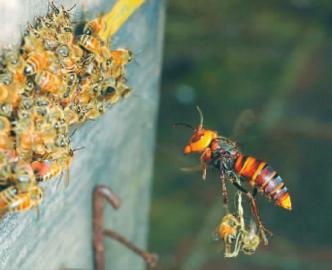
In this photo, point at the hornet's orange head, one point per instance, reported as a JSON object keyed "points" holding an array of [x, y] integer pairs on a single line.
{"points": [[201, 139]]}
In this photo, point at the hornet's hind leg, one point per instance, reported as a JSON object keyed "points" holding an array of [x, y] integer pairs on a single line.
{"points": [[222, 176], [254, 210]]}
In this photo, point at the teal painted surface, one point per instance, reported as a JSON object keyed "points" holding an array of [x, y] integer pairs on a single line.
{"points": [[119, 149]]}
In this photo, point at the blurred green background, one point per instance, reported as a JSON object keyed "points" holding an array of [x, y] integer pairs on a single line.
{"points": [[269, 64]]}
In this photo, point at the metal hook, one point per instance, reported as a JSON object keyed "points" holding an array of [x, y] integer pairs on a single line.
{"points": [[101, 193]]}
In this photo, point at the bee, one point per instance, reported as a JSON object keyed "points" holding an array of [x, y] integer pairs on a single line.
{"points": [[49, 83], [91, 44], [124, 90], [48, 124], [56, 163], [42, 23], [97, 49], [66, 36], [23, 192], [51, 34], [6, 109], [36, 62], [46, 169], [224, 154], [23, 121], [76, 113], [10, 59], [115, 63], [250, 240], [69, 57], [96, 109], [44, 34], [236, 237], [32, 42], [5, 125], [72, 81], [89, 89], [82, 98], [43, 142], [35, 143], [12, 200], [229, 231], [7, 157], [40, 113], [18, 75], [14, 64], [22, 175], [57, 119], [6, 142], [114, 90], [94, 26], [33, 130], [24, 141], [70, 115], [50, 41], [69, 65], [228, 228], [121, 56], [27, 90], [26, 103], [60, 17], [9, 94], [4, 92], [6, 78]]}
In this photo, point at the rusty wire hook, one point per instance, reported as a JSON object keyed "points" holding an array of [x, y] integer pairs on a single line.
{"points": [[101, 193]]}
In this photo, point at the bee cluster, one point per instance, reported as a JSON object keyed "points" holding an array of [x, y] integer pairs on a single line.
{"points": [[54, 80]]}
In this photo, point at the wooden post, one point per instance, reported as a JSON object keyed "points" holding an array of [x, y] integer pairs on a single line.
{"points": [[119, 148]]}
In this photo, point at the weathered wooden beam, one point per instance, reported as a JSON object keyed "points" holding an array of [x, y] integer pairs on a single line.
{"points": [[118, 151]]}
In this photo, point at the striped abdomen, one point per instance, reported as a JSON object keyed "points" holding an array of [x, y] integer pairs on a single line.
{"points": [[12, 201], [69, 65], [48, 82], [90, 43], [35, 63], [262, 175]]}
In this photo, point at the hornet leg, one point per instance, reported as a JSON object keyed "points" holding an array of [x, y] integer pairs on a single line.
{"points": [[254, 210], [206, 155], [222, 177]]}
